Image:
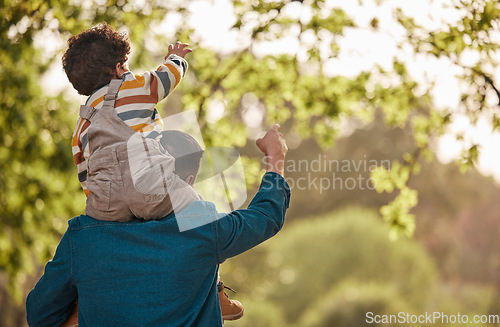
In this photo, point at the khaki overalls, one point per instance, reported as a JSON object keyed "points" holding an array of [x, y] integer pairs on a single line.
{"points": [[129, 175]]}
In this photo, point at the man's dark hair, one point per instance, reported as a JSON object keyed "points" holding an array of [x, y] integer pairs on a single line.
{"points": [[92, 56], [186, 151]]}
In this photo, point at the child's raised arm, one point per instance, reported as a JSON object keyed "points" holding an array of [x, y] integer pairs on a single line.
{"points": [[172, 70]]}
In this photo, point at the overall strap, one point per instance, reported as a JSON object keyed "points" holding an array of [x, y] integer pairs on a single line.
{"points": [[110, 97], [88, 113]]}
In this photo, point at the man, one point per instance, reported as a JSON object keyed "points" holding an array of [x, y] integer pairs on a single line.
{"points": [[147, 273]]}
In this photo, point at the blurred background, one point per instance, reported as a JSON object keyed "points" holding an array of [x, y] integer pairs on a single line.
{"points": [[390, 110]]}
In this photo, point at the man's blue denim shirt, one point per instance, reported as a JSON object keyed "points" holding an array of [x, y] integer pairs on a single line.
{"points": [[148, 273]]}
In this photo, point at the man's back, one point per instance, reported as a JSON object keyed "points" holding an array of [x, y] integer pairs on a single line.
{"points": [[134, 273], [148, 266]]}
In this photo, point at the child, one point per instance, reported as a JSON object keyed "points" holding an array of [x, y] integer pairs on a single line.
{"points": [[123, 169], [92, 60]]}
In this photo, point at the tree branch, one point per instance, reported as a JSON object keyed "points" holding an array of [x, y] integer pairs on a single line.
{"points": [[489, 81]]}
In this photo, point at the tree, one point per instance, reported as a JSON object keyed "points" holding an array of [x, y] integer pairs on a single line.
{"points": [[297, 88], [38, 187]]}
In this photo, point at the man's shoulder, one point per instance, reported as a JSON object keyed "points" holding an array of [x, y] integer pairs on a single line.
{"points": [[196, 214], [195, 208], [195, 211], [83, 221]]}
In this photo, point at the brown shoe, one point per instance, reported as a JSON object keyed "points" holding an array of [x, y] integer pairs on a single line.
{"points": [[231, 309]]}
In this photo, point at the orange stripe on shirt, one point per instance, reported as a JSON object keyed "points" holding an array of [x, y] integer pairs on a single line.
{"points": [[74, 140], [175, 72], [97, 101], [142, 127], [138, 82], [76, 137]]}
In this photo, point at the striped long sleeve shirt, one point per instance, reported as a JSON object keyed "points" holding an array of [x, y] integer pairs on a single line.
{"points": [[135, 105]]}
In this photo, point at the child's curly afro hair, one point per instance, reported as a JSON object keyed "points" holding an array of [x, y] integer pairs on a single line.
{"points": [[92, 56]]}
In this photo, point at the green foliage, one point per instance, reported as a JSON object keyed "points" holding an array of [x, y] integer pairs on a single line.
{"points": [[37, 190], [469, 158], [396, 213], [386, 180], [469, 35]]}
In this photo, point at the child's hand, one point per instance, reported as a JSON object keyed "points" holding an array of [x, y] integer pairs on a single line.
{"points": [[180, 49]]}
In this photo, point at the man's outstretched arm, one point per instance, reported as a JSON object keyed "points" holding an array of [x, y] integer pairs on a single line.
{"points": [[243, 229]]}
